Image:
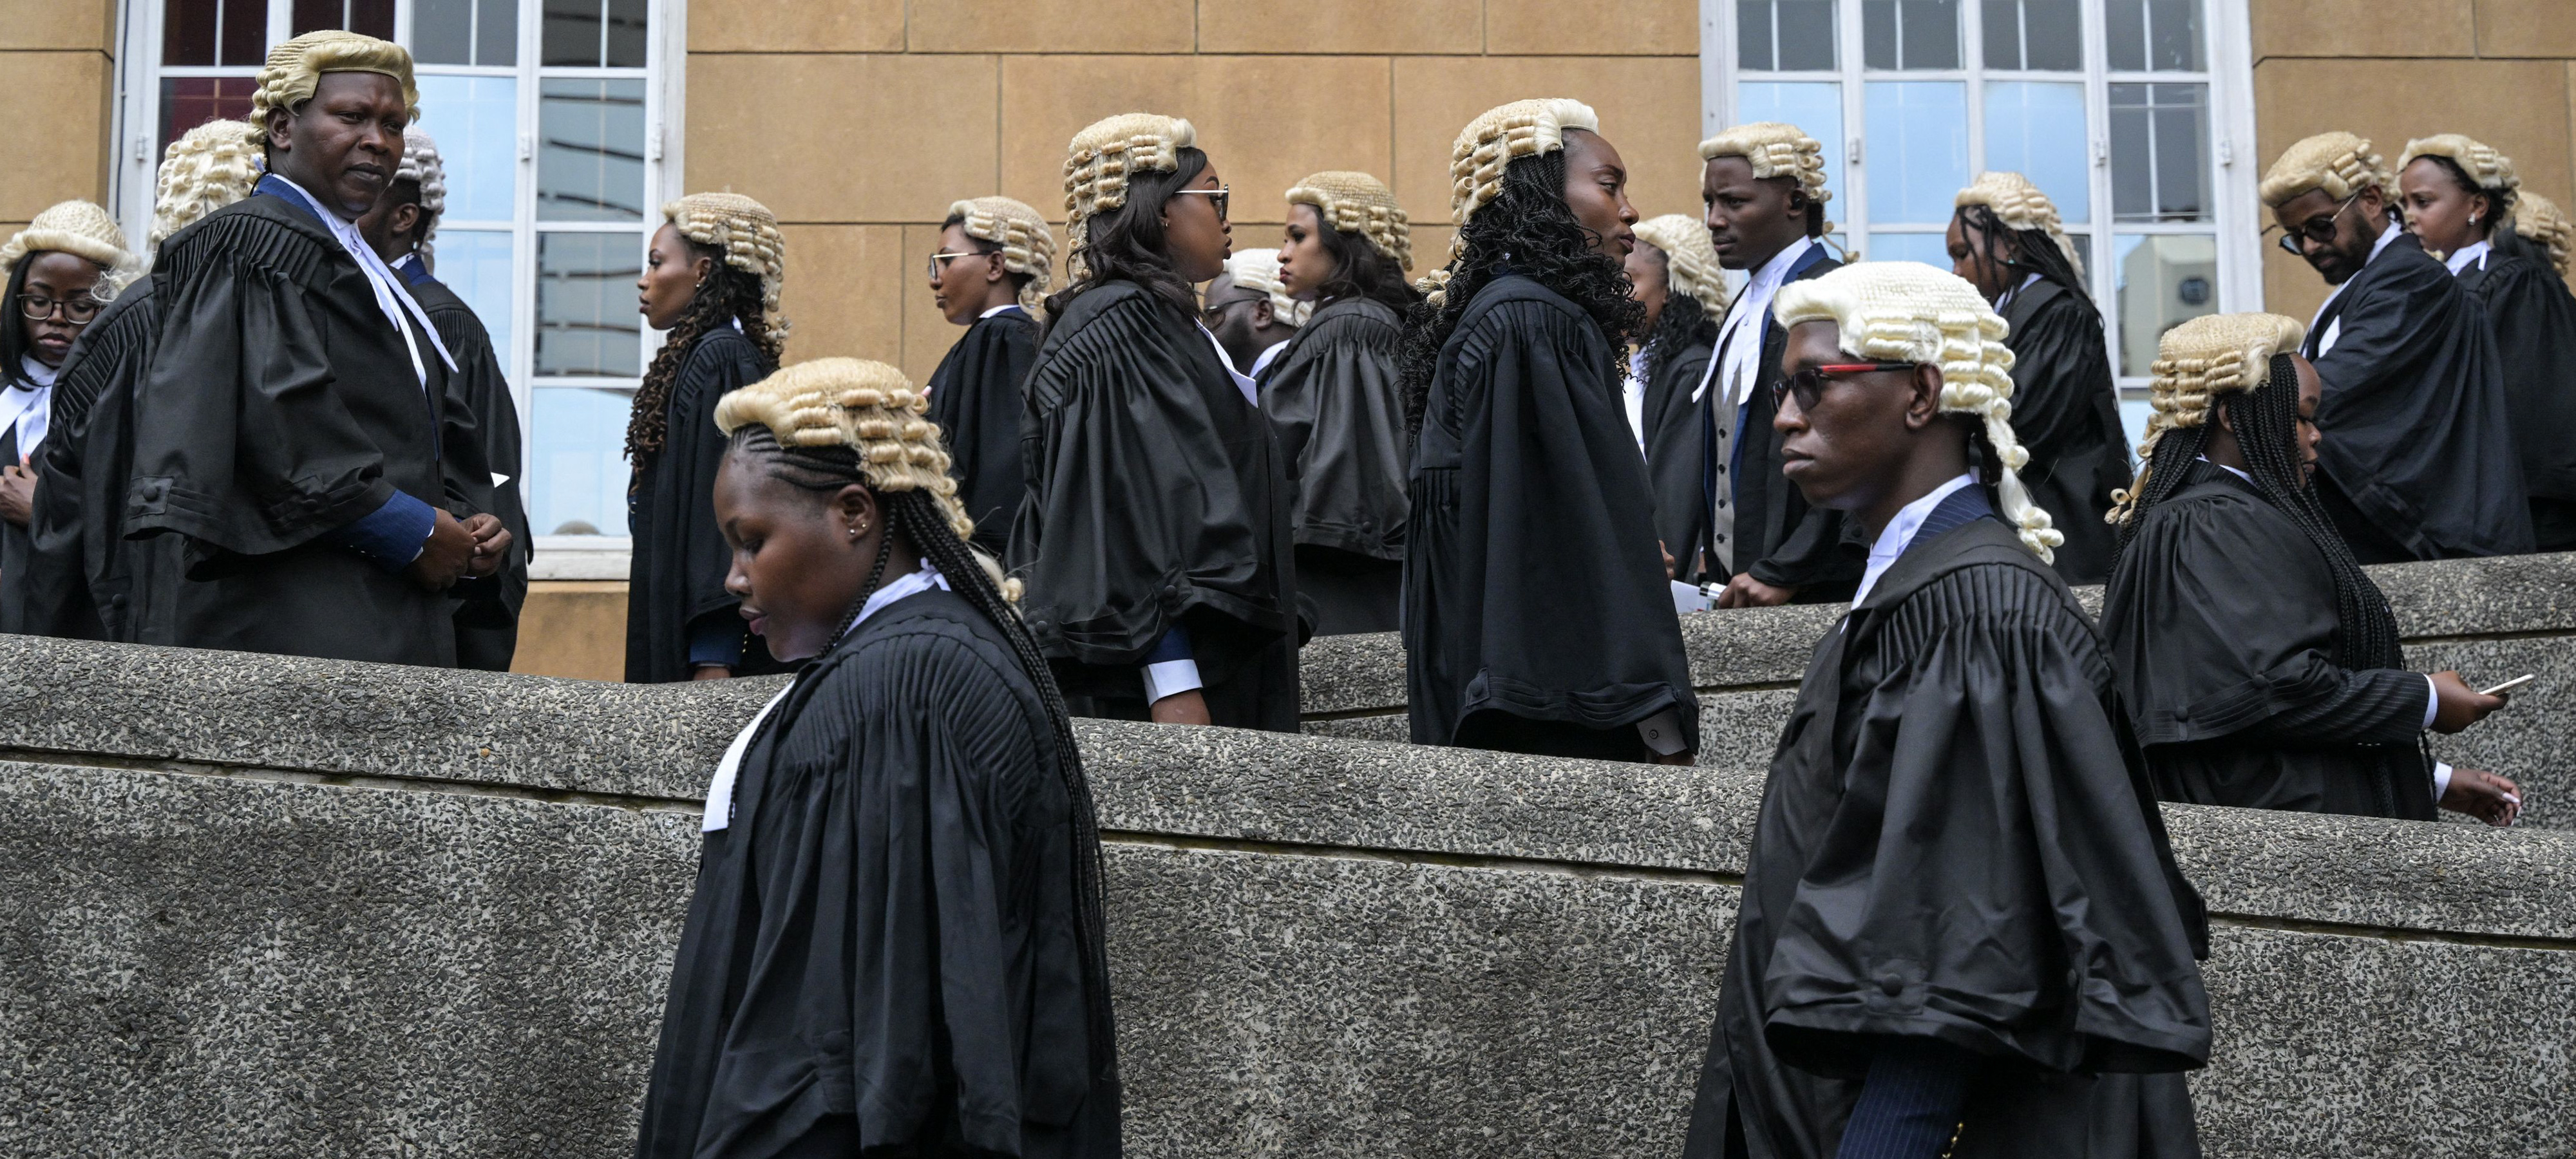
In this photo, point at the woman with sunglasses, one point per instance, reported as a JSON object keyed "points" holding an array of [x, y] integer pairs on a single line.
{"points": [[60, 269], [1536, 613], [989, 275], [1154, 537]]}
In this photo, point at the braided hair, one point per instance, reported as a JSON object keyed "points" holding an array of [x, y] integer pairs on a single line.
{"points": [[2034, 252], [1526, 229], [2267, 432], [897, 457], [729, 293]]}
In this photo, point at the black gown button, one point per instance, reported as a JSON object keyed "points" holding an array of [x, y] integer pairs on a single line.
{"points": [[1891, 985]]}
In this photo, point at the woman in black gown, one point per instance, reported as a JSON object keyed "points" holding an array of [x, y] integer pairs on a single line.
{"points": [[1683, 289], [711, 280], [895, 946], [2456, 192]]}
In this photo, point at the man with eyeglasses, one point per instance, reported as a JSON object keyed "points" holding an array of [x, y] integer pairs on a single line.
{"points": [[1250, 312], [1961, 924], [990, 275], [2418, 460]]}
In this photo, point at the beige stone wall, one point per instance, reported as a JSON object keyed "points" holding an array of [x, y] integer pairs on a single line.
{"points": [[859, 122], [58, 66], [2502, 71]]}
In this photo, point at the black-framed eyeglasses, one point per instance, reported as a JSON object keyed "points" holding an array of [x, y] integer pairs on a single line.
{"points": [[939, 261], [1808, 384], [2320, 230], [76, 311], [1217, 197], [1215, 312]]}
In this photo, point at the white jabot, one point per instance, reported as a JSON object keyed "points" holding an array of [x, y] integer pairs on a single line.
{"points": [[1633, 393], [719, 812], [2334, 329], [1267, 357], [1899, 532], [1242, 382], [391, 297], [1741, 338], [2469, 255], [27, 409]]}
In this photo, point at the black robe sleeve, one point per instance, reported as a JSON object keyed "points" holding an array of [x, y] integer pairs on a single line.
{"points": [[680, 554], [2414, 412], [1533, 586], [2066, 412], [1676, 459], [975, 399], [480, 391], [67, 587], [2534, 321], [1332, 395], [1157, 496]]}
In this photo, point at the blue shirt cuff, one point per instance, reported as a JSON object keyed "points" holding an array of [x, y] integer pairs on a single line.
{"points": [[716, 639], [1175, 645], [390, 537]]}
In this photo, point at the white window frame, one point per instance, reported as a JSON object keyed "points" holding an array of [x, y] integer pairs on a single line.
{"points": [[139, 77], [2236, 220]]}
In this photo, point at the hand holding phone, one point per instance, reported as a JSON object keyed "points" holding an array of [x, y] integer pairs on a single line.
{"points": [[2510, 685]]}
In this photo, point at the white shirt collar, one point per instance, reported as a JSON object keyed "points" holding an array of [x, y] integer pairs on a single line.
{"points": [[1746, 321], [26, 409], [391, 297], [2015, 292], [1267, 356], [2472, 254], [997, 310], [38, 372], [2376, 248], [1899, 533], [2224, 467], [1632, 394], [1242, 382]]}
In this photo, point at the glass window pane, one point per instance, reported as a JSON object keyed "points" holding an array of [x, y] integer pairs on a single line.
{"points": [[2173, 35], [1910, 33], [476, 264], [2052, 35], [586, 319], [1753, 50], [189, 29], [1917, 140], [2003, 34], [1806, 34], [1931, 249], [2036, 129], [1814, 106], [2124, 25], [372, 17], [1878, 33], [591, 165], [2134, 413], [190, 101], [496, 33], [2162, 281], [2159, 152], [625, 33], [475, 120], [442, 32], [572, 33], [577, 461]]}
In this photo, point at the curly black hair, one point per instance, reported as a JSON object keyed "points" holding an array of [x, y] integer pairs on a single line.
{"points": [[726, 295], [1127, 243], [1527, 230], [1683, 324], [1359, 270]]}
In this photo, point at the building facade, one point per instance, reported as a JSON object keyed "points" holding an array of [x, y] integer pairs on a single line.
{"points": [[567, 122]]}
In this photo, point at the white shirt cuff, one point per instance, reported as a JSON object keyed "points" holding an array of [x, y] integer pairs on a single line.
{"points": [[2441, 780], [1662, 732], [2432, 708], [1170, 678]]}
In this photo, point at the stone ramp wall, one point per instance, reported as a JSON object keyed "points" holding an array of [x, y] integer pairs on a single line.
{"points": [[268, 906]]}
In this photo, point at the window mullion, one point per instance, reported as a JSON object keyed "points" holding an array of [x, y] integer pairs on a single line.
{"points": [[1848, 54]]}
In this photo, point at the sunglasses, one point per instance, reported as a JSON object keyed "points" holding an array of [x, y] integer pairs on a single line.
{"points": [[1217, 197], [940, 260], [2320, 229], [1808, 385]]}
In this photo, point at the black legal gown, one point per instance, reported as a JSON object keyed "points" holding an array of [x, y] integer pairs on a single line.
{"points": [[2066, 412], [2223, 635], [1333, 397], [81, 578], [278, 405], [1957, 842], [487, 620], [676, 579], [1158, 496], [2418, 460], [1536, 616], [1779, 539], [2534, 320], [1676, 462], [881, 952], [975, 399]]}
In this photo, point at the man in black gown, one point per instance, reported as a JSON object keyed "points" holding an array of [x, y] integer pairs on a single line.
{"points": [[2418, 460], [1961, 925], [2258, 662], [991, 272], [1764, 185], [2006, 240], [400, 228], [300, 422]]}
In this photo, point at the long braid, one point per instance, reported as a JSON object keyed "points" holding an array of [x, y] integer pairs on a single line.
{"points": [[2176, 448], [2267, 431]]}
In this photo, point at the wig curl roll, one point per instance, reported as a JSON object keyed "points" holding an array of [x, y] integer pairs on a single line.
{"points": [[745, 234], [207, 168]]}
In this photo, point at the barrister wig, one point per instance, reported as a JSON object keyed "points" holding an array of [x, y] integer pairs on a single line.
{"points": [[1099, 162], [1690, 262], [1348, 202], [1027, 248], [1773, 150], [420, 163], [2339, 163], [743, 234], [1910, 312], [207, 168], [823, 425], [1505, 133], [1258, 271], [295, 69], [2019, 205], [2541, 222], [2196, 362], [83, 230], [741, 240]]}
